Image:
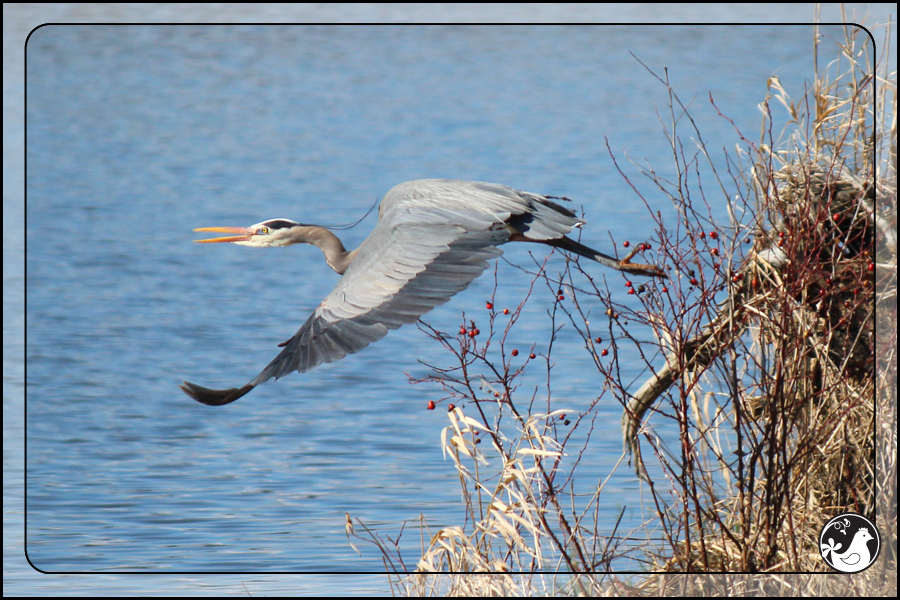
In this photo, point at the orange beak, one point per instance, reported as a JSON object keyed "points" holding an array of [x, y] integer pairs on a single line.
{"points": [[245, 233]]}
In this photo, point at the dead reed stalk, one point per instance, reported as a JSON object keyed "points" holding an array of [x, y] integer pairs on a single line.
{"points": [[774, 358]]}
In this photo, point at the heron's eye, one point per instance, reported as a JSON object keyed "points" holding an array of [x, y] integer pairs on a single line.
{"points": [[262, 230]]}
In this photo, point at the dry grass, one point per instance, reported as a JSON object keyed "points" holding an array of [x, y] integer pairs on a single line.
{"points": [[777, 338]]}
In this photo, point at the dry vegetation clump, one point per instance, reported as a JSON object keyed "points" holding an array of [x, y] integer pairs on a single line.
{"points": [[805, 373], [773, 358]]}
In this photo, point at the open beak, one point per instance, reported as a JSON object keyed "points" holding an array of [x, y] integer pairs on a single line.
{"points": [[244, 234]]}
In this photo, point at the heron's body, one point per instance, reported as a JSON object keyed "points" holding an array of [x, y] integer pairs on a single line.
{"points": [[433, 237]]}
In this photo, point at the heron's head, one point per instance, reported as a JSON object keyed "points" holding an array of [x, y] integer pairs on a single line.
{"points": [[268, 234]]}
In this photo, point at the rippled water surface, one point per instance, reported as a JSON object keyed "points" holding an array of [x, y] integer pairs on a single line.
{"points": [[138, 134]]}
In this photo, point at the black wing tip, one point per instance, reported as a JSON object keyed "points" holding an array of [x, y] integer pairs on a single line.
{"points": [[214, 397]]}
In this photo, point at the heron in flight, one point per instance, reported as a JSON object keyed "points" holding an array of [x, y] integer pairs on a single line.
{"points": [[433, 237]]}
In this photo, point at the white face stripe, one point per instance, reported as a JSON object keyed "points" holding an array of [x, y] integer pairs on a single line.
{"points": [[276, 224]]}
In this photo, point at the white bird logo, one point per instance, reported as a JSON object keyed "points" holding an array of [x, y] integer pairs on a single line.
{"points": [[854, 558]]}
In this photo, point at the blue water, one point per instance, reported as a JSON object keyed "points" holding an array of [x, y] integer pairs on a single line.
{"points": [[138, 134]]}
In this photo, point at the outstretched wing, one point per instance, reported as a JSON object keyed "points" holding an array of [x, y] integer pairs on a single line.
{"points": [[411, 262], [400, 273]]}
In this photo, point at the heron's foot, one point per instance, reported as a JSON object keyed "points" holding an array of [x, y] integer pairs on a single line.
{"points": [[638, 269]]}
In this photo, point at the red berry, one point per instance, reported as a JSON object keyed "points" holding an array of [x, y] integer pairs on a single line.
{"points": [[604, 352], [532, 355], [515, 352], [450, 407], [694, 281], [836, 216], [871, 266], [713, 235], [462, 330], [630, 292], [505, 311], [665, 289], [627, 284], [561, 297], [431, 405], [599, 340], [714, 251], [626, 243], [702, 235], [472, 332], [648, 247], [489, 306]]}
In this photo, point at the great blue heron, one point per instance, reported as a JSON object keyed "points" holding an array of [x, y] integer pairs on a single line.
{"points": [[433, 237]]}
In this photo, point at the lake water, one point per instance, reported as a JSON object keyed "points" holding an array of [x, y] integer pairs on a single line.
{"points": [[138, 134]]}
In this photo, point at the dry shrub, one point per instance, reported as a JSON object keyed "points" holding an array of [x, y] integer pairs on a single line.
{"points": [[774, 357]]}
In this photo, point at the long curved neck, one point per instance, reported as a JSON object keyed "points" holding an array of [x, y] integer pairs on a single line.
{"points": [[336, 256]]}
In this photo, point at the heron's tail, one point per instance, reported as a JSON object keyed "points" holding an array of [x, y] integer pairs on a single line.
{"points": [[570, 245], [214, 397]]}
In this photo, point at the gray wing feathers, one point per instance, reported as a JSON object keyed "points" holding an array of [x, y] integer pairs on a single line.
{"points": [[533, 215], [434, 236], [399, 274]]}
